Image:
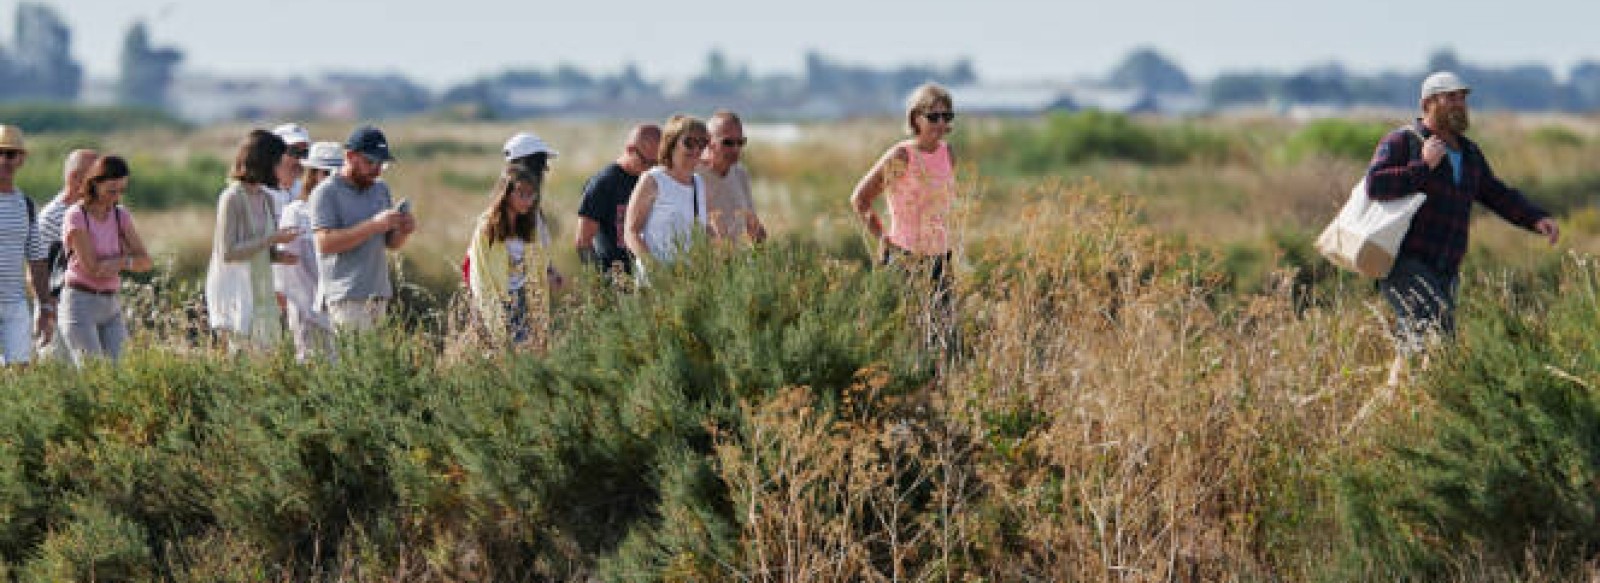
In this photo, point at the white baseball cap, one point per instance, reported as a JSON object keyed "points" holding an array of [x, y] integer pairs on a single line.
{"points": [[292, 133], [1443, 82], [325, 156], [526, 144]]}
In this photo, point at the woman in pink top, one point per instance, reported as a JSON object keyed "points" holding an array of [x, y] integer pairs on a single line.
{"points": [[102, 243], [918, 176]]}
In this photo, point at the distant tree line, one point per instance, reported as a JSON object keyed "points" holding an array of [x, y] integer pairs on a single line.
{"points": [[40, 68]]}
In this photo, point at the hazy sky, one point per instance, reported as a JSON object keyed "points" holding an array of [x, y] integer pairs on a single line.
{"points": [[447, 41]]}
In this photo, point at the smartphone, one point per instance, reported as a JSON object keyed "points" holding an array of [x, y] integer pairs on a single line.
{"points": [[404, 206]]}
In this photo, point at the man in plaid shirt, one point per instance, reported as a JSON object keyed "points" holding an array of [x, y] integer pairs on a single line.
{"points": [[1451, 170]]}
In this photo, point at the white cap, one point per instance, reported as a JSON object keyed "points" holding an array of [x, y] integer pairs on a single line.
{"points": [[292, 133], [1442, 82], [526, 143], [325, 156]]}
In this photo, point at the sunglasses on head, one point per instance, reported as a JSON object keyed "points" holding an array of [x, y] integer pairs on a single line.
{"points": [[938, 116], [10, 154], [695, 143], [731, 142]]}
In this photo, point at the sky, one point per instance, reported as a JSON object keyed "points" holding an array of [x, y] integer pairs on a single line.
{"points": [[443, 42]]}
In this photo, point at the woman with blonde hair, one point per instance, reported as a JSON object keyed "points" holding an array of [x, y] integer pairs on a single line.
{"points": [[668, 203], [508, 260], [917, 176], [240, 295]]}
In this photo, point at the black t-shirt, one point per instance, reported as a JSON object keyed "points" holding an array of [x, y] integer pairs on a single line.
{"points": [[605, 200]]}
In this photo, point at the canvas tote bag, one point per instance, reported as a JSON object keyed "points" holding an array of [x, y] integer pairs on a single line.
{"points": [[1366, 235]]}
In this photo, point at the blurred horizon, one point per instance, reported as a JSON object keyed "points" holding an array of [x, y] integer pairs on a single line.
{"points": [[1005, 40]]}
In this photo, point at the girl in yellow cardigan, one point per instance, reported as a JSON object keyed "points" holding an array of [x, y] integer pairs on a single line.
{"points": [[508, 260]]}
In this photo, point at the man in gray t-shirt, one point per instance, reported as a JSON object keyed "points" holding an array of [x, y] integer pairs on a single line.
{"points": [[353, 225]]}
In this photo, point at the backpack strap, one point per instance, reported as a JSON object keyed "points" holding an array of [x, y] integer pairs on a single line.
{"points": [[1414, 139]]}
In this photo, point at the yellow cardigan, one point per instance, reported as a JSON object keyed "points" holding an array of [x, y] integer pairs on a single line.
{"points": [[489, 273]]}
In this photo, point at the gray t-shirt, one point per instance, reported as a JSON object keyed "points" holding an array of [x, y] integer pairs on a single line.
{"points": [[362, 272]]}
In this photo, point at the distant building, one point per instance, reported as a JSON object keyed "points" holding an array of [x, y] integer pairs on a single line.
{"points": [[40, 67]]}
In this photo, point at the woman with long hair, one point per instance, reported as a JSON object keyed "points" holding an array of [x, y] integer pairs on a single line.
{"points": [[240, 296], [509, 257], [669, 201], [102, 243], [310, 327], [918, 178]]}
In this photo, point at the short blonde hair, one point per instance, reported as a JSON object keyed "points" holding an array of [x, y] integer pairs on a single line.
{"points": [[677, 127], [924, 98]]}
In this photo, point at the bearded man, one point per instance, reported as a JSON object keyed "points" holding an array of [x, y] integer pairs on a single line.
{"points": [[1452, 171]]}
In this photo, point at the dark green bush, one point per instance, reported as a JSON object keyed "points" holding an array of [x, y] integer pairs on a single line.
{"points": [[48, 118], [1335, 138], [1555, 136], [1507, 466], [156, 183], [1066, 139], [588, 459]]}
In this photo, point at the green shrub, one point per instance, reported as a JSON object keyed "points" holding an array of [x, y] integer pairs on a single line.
{"points": [[1505, 467], [593, 458], [1335, 138], [1066, 139], [49, 118], [156, 183], [1555, 136]]}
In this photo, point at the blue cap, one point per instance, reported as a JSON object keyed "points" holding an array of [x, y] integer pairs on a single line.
{"points": [[369, 141]]}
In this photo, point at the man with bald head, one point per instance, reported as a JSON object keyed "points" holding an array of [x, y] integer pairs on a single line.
{"points": [[50, 219], [605, 201], [728, 202]]}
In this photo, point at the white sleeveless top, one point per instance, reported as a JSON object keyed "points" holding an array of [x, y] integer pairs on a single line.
{"points": [[678, 208]]}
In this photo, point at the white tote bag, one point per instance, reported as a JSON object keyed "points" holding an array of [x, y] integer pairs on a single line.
{"points": [[1366, 235]]}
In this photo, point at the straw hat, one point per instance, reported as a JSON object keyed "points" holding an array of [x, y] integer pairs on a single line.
{"points": [[11, 138]]}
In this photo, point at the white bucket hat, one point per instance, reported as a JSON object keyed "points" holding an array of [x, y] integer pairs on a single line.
{"points": [[325, 156]]}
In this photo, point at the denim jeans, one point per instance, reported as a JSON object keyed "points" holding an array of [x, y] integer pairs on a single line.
{"points": [[1424, 303], [16, 332], [93, 324]]}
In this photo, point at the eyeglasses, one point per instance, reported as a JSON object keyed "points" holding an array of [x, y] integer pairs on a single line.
{"points": [[11, 154], [695, 143], [938, 116], [730, 142]]}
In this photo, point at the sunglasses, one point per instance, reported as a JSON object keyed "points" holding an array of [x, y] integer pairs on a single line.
{"points": [[938, 116], [11, 154], [695, 143], [299, 153], [730, 142]]}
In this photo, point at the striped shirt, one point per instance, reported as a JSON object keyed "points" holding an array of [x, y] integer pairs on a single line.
{"points": [[20, 242], [50, 219]]}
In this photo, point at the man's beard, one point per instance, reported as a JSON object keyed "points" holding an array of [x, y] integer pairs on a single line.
{"points": [[1456, 120]]}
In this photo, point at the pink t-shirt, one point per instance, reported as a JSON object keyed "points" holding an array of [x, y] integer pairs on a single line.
{"points": [[919, 200], [107, 242]]}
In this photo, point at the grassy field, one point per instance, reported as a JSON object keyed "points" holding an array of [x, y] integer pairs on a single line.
{"points": [[1160, 382]]}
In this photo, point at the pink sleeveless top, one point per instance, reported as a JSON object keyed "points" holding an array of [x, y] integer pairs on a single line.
{"points": [[919, 200]]}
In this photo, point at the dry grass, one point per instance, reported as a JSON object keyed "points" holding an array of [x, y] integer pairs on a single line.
{"points": [[1121, 416]]}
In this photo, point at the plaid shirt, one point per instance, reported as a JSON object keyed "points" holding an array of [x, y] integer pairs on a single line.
{"points": [[1438, 234]]}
